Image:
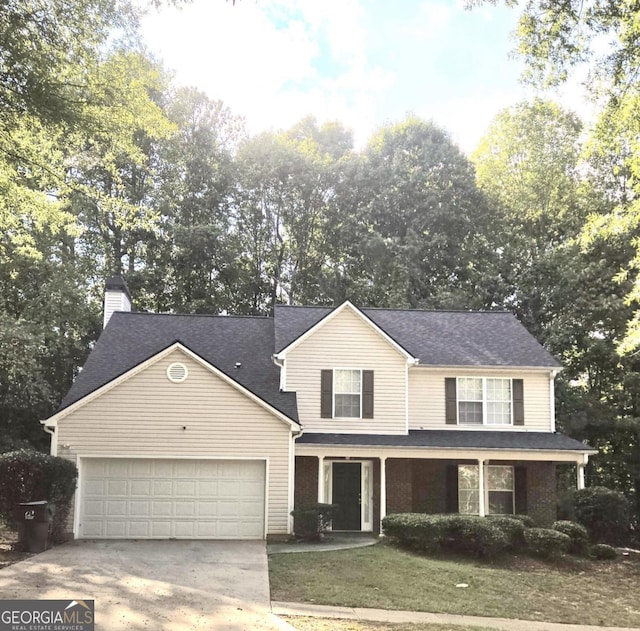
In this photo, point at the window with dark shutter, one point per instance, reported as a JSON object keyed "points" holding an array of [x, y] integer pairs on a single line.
{"points": [[451, 405], [326, 394], [517, 388], [367, 394]]}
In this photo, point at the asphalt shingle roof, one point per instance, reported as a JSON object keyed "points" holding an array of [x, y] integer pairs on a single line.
{"points": [[131, 338], [436, 338], [456, 439]]}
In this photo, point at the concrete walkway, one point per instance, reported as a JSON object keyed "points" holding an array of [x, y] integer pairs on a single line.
{"points": [[335, 542], [384, 615]]}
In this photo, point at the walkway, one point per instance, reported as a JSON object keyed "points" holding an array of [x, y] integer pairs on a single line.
{"points": [[335, 542], [384, 615]]}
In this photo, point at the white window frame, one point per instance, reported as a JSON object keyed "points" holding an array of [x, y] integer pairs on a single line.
{"points": [[487, 489], [333, 395], [485, 402]]}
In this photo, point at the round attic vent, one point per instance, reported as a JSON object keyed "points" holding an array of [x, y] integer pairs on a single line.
{"points": [[177, 372]]}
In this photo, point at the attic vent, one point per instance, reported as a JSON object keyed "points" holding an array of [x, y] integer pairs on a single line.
{"points": [[177, 372]]}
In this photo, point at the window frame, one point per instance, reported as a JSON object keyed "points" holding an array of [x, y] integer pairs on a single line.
{"points": [[334, 393], [487, 490], [485, 402]]}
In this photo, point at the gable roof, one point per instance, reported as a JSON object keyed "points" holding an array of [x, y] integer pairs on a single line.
{"points": [[436, 338], [359, 315], [222, 341]]}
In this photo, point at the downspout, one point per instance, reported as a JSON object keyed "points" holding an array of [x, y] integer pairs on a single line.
{"points": [[53, 447]]}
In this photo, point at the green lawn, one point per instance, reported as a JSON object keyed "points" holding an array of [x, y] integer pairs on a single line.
{"points": [[325, 624], [579, 592]]}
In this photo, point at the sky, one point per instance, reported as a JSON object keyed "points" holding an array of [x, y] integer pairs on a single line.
{"points": [[365, 63]]}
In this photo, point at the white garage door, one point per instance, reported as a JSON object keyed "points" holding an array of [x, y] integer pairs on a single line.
{"points": [[183, 499]]}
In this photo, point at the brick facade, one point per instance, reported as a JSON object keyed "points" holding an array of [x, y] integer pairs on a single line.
{"points": [[306, 481], [417, 485]]}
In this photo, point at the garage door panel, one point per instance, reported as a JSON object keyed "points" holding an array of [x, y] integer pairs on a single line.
{"points": [[172, 499]]}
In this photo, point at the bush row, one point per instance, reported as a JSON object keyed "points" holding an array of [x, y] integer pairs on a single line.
{"points": [[488, 536]]}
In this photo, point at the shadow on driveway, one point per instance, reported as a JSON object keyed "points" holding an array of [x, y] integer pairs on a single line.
{"points": [[172, 585]]}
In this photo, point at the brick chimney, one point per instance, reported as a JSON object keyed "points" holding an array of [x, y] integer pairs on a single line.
{"points": [[116, 297]]}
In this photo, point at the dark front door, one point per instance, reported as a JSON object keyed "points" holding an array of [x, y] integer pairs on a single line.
{"points": [[346, 495]]}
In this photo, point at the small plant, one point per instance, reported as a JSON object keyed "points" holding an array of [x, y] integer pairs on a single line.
{"points": [[27, 475], [576, 532], [546, 543], [311, 522], [603, 552], [604, 513]]}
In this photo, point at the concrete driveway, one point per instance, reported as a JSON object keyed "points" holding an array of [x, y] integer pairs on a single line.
{"points": [[172, 585]]}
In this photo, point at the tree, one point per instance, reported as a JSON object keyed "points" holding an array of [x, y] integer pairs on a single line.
{"points": [[408, 225]]}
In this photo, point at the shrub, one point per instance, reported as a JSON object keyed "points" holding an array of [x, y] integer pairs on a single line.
{"points": [[513, 529], [311, 522], [602, 551], [604, 512], [545, 542], [465, 534], [576, 532], [27, 475]]}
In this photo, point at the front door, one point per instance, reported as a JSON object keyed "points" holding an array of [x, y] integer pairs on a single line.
{"points": [[347, 478]]}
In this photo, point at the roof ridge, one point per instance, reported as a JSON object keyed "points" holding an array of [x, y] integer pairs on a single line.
{"points": [[471, 311], [195, 315]]}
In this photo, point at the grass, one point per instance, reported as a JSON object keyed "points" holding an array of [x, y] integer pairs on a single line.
{"points": [[325, 624], [575, 591]]}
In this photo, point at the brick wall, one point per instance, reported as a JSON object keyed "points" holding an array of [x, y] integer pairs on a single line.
{"points": [[541, 492], [399, 485], [429, 490], [306, 481]]}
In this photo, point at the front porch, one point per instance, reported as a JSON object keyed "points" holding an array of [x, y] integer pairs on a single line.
{"points": [[369, 482]]}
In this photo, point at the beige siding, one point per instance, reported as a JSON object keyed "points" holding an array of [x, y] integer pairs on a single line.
{"points": [[348, 342], [145, 416], [427, 401]]}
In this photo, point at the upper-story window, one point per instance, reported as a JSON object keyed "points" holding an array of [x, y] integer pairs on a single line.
{"points": [[346, 393], [483, 401]]}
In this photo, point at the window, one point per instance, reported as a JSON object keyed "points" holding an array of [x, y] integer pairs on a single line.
{"points": [[498, 483], [484, 401], [347, 389]]}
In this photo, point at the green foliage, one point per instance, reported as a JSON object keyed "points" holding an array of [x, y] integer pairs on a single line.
{"points": [[546, 543], [311, 522], [463, 534], [576, 532], [27, 476], [512, 528], [604, 513], [603, 552]]}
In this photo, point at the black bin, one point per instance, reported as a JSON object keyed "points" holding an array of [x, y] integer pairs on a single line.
{"points": [[33, 525]]}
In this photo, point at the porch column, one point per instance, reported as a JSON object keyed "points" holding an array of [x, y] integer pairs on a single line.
{"points": [[481, 506], [383, 489], [321, 494], [580, 475]]}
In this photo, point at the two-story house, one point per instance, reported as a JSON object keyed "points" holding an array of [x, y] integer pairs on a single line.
{"points": [[194, 426]]}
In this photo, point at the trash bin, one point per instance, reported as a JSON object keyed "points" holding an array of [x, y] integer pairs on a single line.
{"points": [[33, 525]]}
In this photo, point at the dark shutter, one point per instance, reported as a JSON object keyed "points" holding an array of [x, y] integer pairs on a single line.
{"points": [[367, 394], [451, 401], [451, 492], [326, 394], [518, 401], [520, 489]]}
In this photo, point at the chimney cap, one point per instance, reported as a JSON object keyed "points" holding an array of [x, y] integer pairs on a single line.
{"points": [[116, 283]]}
